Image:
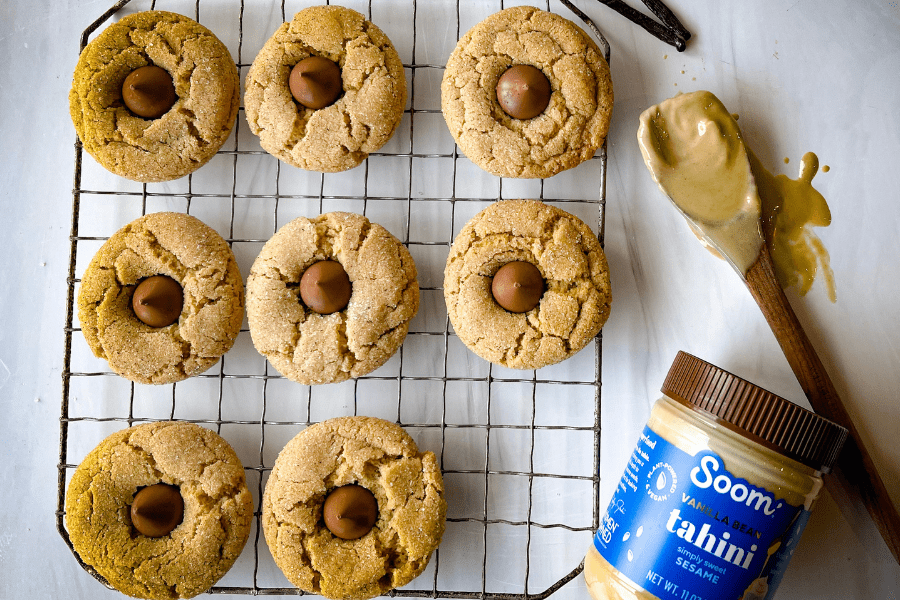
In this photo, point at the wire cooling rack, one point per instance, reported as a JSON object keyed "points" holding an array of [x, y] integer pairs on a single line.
{"points": [[519, 450]]}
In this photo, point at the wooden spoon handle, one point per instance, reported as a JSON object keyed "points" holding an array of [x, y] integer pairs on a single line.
{"points": [[854, 464]]}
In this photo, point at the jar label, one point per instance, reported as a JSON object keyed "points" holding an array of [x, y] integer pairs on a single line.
{"points": [[683, 528]]}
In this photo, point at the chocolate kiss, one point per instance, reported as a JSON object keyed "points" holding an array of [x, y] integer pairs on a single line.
{"points": [[350, 511], [325, 287], [315, 82], [149, 92], [158, 301], [518, 286], [157, 510], [523, 92]]}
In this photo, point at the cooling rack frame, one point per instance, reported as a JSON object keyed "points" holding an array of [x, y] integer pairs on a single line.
{"points": [[217, 375]]}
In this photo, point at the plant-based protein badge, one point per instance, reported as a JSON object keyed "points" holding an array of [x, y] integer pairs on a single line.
{"points": [[715, 495]]}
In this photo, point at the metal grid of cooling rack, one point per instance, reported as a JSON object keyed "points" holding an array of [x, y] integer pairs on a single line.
{"points": [[477, 389]]}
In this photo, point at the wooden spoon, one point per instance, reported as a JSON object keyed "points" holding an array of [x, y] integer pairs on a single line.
{"points": [[854, 469], [695, 152]]}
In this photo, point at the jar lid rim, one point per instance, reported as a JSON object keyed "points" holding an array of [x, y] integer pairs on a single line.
{"points": [[757, 413]]}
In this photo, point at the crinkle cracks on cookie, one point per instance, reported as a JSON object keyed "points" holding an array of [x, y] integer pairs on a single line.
{"points": [[340, 136], [184, 138], [567, 132], [574, 305], [379, 456], [193, 254], [312, 348], [218, 509]]}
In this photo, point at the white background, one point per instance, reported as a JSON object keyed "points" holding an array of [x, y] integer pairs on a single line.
{"points": [[804, 75]]}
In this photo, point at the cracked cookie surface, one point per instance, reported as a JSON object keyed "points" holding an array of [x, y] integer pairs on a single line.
{"points": [[187, 250], [218, 509], [189, 134], [310, 348], [571, 128], [576, 300], [340, 136], [379, 456]]}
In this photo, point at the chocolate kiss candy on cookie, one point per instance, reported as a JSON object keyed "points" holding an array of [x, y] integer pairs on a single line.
{"points": [[157, 510], [523, 92], [325, 287], [149, 92], [518, 286], [350, 511], [315, 82], [158, 300]]}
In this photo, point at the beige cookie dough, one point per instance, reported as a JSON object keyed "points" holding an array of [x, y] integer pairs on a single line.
{"points": [[576, 300], [362, 120], [218, 509], [189, 134], [185, 249], [572, 127], [311, 348], [379, 456]]}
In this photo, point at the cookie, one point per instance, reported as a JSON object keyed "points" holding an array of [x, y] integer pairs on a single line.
{"points": [[571, 127], [179, 247], [217, 509], [308, 347], [337, 454], [576, 295], [367, 112], [206, 85]]}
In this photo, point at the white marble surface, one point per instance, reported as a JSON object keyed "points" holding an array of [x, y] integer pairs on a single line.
{"points": [[805, 75]]}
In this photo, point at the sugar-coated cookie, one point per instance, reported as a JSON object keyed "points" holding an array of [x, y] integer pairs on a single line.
{"points": [[217, 509], [575, 301], [367, 111], [187, 135], [571, 127], [309, 347], [180, 247], [379, 457]]}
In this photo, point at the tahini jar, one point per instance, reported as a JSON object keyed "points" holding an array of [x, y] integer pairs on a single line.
{"points": [[716, 494]]}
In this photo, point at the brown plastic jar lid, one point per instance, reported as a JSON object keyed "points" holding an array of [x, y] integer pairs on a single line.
{"points": [[755, 413]]}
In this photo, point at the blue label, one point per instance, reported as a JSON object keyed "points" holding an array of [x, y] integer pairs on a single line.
{"points": [[682, 527]]}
